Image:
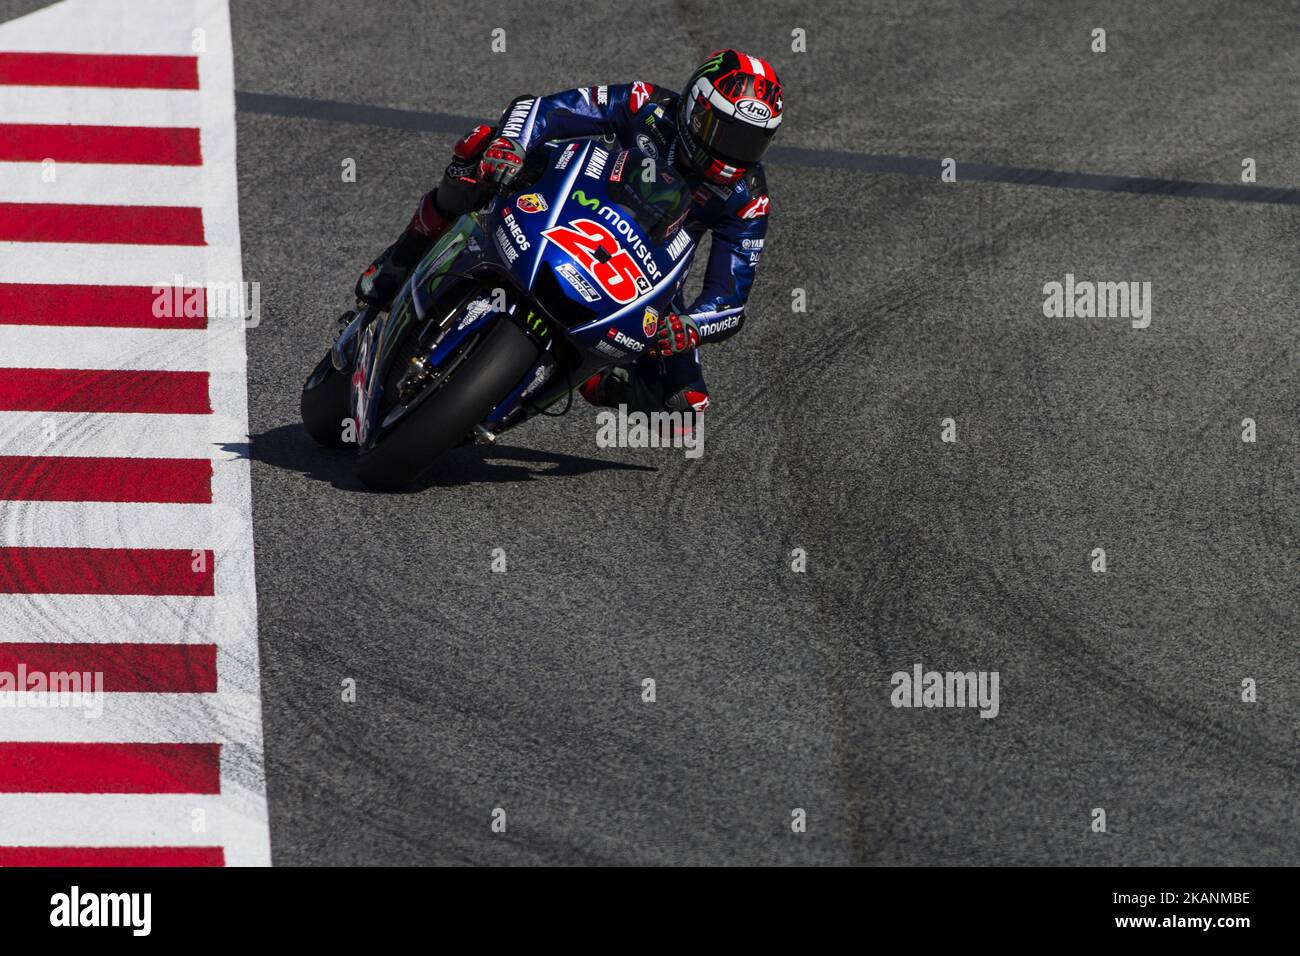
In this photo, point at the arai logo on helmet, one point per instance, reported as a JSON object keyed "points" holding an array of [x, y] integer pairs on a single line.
{"points": [[756, 110]]}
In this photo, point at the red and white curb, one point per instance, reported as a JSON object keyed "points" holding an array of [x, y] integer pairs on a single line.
{"points": [[126, 543]]}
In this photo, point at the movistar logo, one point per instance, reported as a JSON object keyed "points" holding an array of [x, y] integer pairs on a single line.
{"points": [[582, 200]]}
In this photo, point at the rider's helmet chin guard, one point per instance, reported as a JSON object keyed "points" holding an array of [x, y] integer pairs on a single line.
{"points": [[727, 115]]}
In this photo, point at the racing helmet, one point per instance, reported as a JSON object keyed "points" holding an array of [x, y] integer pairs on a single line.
{"points": [[727, 115]]}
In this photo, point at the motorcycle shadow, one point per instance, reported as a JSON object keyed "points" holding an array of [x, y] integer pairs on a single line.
{"points": [[289, 448]]}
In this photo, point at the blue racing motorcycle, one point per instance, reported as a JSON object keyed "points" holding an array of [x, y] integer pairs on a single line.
{"points": [[564, 275]]}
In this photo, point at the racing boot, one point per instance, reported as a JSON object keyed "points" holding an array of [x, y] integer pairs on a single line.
{"points": [[617, 386], [380, 282], [458, 193], [606, 389]]}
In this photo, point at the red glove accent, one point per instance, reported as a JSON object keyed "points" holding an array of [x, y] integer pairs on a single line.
{"points": [[501, 162], [676, 333], [470, 146]]}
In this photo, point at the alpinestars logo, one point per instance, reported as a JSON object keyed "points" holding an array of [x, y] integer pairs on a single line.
{"points": [[640, 95], [755, 208]]}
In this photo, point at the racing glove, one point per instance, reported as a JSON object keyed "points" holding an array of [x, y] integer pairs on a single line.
{"points": [[460, 191], [676, 334], [501, 162]]}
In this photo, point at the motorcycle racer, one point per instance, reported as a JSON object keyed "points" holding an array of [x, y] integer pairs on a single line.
{"points": [[715, 133]]}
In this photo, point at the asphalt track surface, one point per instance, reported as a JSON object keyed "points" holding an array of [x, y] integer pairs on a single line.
{"points": [[523, 690]]}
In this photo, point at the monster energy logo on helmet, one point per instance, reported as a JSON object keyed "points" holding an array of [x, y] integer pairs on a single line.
{"points": [[728, 114], [711, 65]]}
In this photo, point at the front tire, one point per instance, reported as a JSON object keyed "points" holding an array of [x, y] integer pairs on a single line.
{"points": [[325, 403], [444, 419]]}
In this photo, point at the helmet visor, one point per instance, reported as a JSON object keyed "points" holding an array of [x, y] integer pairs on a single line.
{"points": [[732, 140]]}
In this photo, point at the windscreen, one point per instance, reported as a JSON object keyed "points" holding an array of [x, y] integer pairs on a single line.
{"points": [[654, 196]]}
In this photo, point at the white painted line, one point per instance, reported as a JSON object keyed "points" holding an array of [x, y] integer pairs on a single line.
{"points": [[163, 350], [181, 819], [130, 719], [107, 524], [232, 716], [73, 263], [118, 26], [85, 618], [103, 184], [90, 106], [101, 435]]}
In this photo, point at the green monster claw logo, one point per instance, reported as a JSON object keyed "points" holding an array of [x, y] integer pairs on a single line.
{"points": [[581, 198], [536, 324], [711, 66]]}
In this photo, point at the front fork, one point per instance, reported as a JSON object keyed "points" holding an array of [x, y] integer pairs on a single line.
{"points": [[542, 386], [343, 354]]}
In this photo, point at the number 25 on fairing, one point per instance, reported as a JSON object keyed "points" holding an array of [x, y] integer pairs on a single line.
{"points": [[619, 275]]}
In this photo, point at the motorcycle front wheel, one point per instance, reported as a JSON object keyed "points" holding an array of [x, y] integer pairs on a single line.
{"points": [[499, 360]]}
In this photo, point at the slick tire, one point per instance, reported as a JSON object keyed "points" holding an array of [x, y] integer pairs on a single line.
{"points": [[325, 403], [408, 451]]}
